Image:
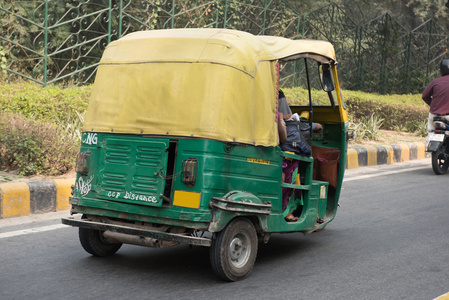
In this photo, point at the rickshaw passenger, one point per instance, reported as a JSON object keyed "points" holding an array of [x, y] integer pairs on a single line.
{"points": [[289, 165]]}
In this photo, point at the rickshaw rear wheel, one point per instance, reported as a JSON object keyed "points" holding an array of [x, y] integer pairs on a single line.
{"points": [[93, 242], [234, 250]]}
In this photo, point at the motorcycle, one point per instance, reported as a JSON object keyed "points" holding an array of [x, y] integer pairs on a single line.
{"points": [[439, 145]]}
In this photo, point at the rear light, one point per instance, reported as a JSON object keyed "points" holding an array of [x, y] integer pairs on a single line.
{"points": [[188, 173], [82, 163]]}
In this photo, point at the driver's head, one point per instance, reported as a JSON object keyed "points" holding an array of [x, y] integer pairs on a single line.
{"points": [[281, 94], [444, 67]]}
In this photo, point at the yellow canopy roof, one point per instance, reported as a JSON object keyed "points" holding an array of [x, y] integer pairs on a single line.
{"points": [[237, 49], [209, 83]]}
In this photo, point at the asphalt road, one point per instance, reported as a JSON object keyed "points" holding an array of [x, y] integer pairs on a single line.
{"points": [[388, 241]]}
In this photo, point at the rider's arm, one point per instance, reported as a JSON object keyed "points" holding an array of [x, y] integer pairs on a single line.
{"points": [[427, 94]]}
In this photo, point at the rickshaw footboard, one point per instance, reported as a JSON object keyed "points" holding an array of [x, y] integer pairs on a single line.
{"points": [[128, 230]]}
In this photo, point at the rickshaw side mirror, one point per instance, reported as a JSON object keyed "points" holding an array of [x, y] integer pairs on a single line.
{"points": [[326, 78]]}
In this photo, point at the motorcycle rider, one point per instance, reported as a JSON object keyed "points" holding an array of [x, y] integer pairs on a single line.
{"points": [[436, 95]]}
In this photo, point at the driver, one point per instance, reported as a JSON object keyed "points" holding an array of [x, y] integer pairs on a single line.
{"points": [[436, 95], [284, 108]]}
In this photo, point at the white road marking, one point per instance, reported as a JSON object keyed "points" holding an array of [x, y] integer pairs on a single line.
{"points": [[33, 218], [31, 230], [360, 177]]}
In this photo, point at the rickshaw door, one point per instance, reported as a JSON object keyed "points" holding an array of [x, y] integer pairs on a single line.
{"points": [[133, 170]]}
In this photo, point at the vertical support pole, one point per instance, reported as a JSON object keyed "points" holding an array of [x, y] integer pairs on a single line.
{"points": [[109, 21], [428, 50], [173, 14], [303, 33], [216, 13], [45, 42], [264, 16], [295, 81], [298, 26], [120, 17], [225, 14], [407, 64], [310, 97], [383, 73], [304, 26], [360, 58], [278, 86], [332, 23]]}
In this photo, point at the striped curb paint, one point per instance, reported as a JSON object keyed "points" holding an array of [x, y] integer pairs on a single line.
{"points": [[34, 197], [360, 156]]}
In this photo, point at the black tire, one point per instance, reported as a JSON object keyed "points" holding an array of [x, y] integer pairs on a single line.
{"points": [[93, 242], [440, 161], [234, 250]]}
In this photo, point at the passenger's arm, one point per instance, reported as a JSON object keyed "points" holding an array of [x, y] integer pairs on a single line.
{"points": [[282, 129]]}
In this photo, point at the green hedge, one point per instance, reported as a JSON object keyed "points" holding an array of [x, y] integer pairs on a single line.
{"points": [[399, 112], [53, 104], [36, 127], [35, 147], [399, 117]]}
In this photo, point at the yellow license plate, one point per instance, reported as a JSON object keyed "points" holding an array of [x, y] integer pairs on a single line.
{"points": [[187, 199]]}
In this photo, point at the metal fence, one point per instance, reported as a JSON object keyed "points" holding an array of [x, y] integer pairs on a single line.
{"points": [[61, 41]]}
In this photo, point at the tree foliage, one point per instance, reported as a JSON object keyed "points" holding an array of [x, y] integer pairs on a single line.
{"points": [[383, 46]]}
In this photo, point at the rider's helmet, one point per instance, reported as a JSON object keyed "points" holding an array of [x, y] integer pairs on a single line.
{"points": [[444, 67]]}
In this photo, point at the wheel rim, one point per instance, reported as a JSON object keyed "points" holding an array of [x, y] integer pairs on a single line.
{"points": [[442, 161], [240, 250]]}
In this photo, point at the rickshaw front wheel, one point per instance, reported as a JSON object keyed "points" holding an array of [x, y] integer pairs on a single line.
{"points": [[234, 250], [93, 242]]}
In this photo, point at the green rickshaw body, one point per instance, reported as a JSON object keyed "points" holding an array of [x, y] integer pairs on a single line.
{"points": [[181, 137]]}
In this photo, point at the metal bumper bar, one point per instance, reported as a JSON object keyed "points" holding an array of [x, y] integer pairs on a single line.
{"points": [[198, 241]]}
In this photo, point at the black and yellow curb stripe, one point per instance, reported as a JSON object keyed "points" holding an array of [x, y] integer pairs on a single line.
{"points": [[33, 197], [361, 156]]}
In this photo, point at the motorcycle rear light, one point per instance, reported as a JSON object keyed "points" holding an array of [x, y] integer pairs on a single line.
{"points": [[188, 173], [82, 163]]}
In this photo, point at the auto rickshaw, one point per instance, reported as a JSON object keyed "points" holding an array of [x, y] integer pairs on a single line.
{"points": [[180, 145]]}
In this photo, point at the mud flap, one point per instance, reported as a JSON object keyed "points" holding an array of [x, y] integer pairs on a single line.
{"points": [[433, 146], [237, 203]]}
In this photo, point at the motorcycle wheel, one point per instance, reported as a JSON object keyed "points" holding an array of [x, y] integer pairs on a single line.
{"points": [[440, 161]]}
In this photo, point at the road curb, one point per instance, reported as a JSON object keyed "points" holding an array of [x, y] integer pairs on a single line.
{"points": [[362, 156], [34, 197]]}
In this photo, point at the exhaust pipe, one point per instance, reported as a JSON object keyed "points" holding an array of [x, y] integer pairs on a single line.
{"points": [[116, 237]]}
